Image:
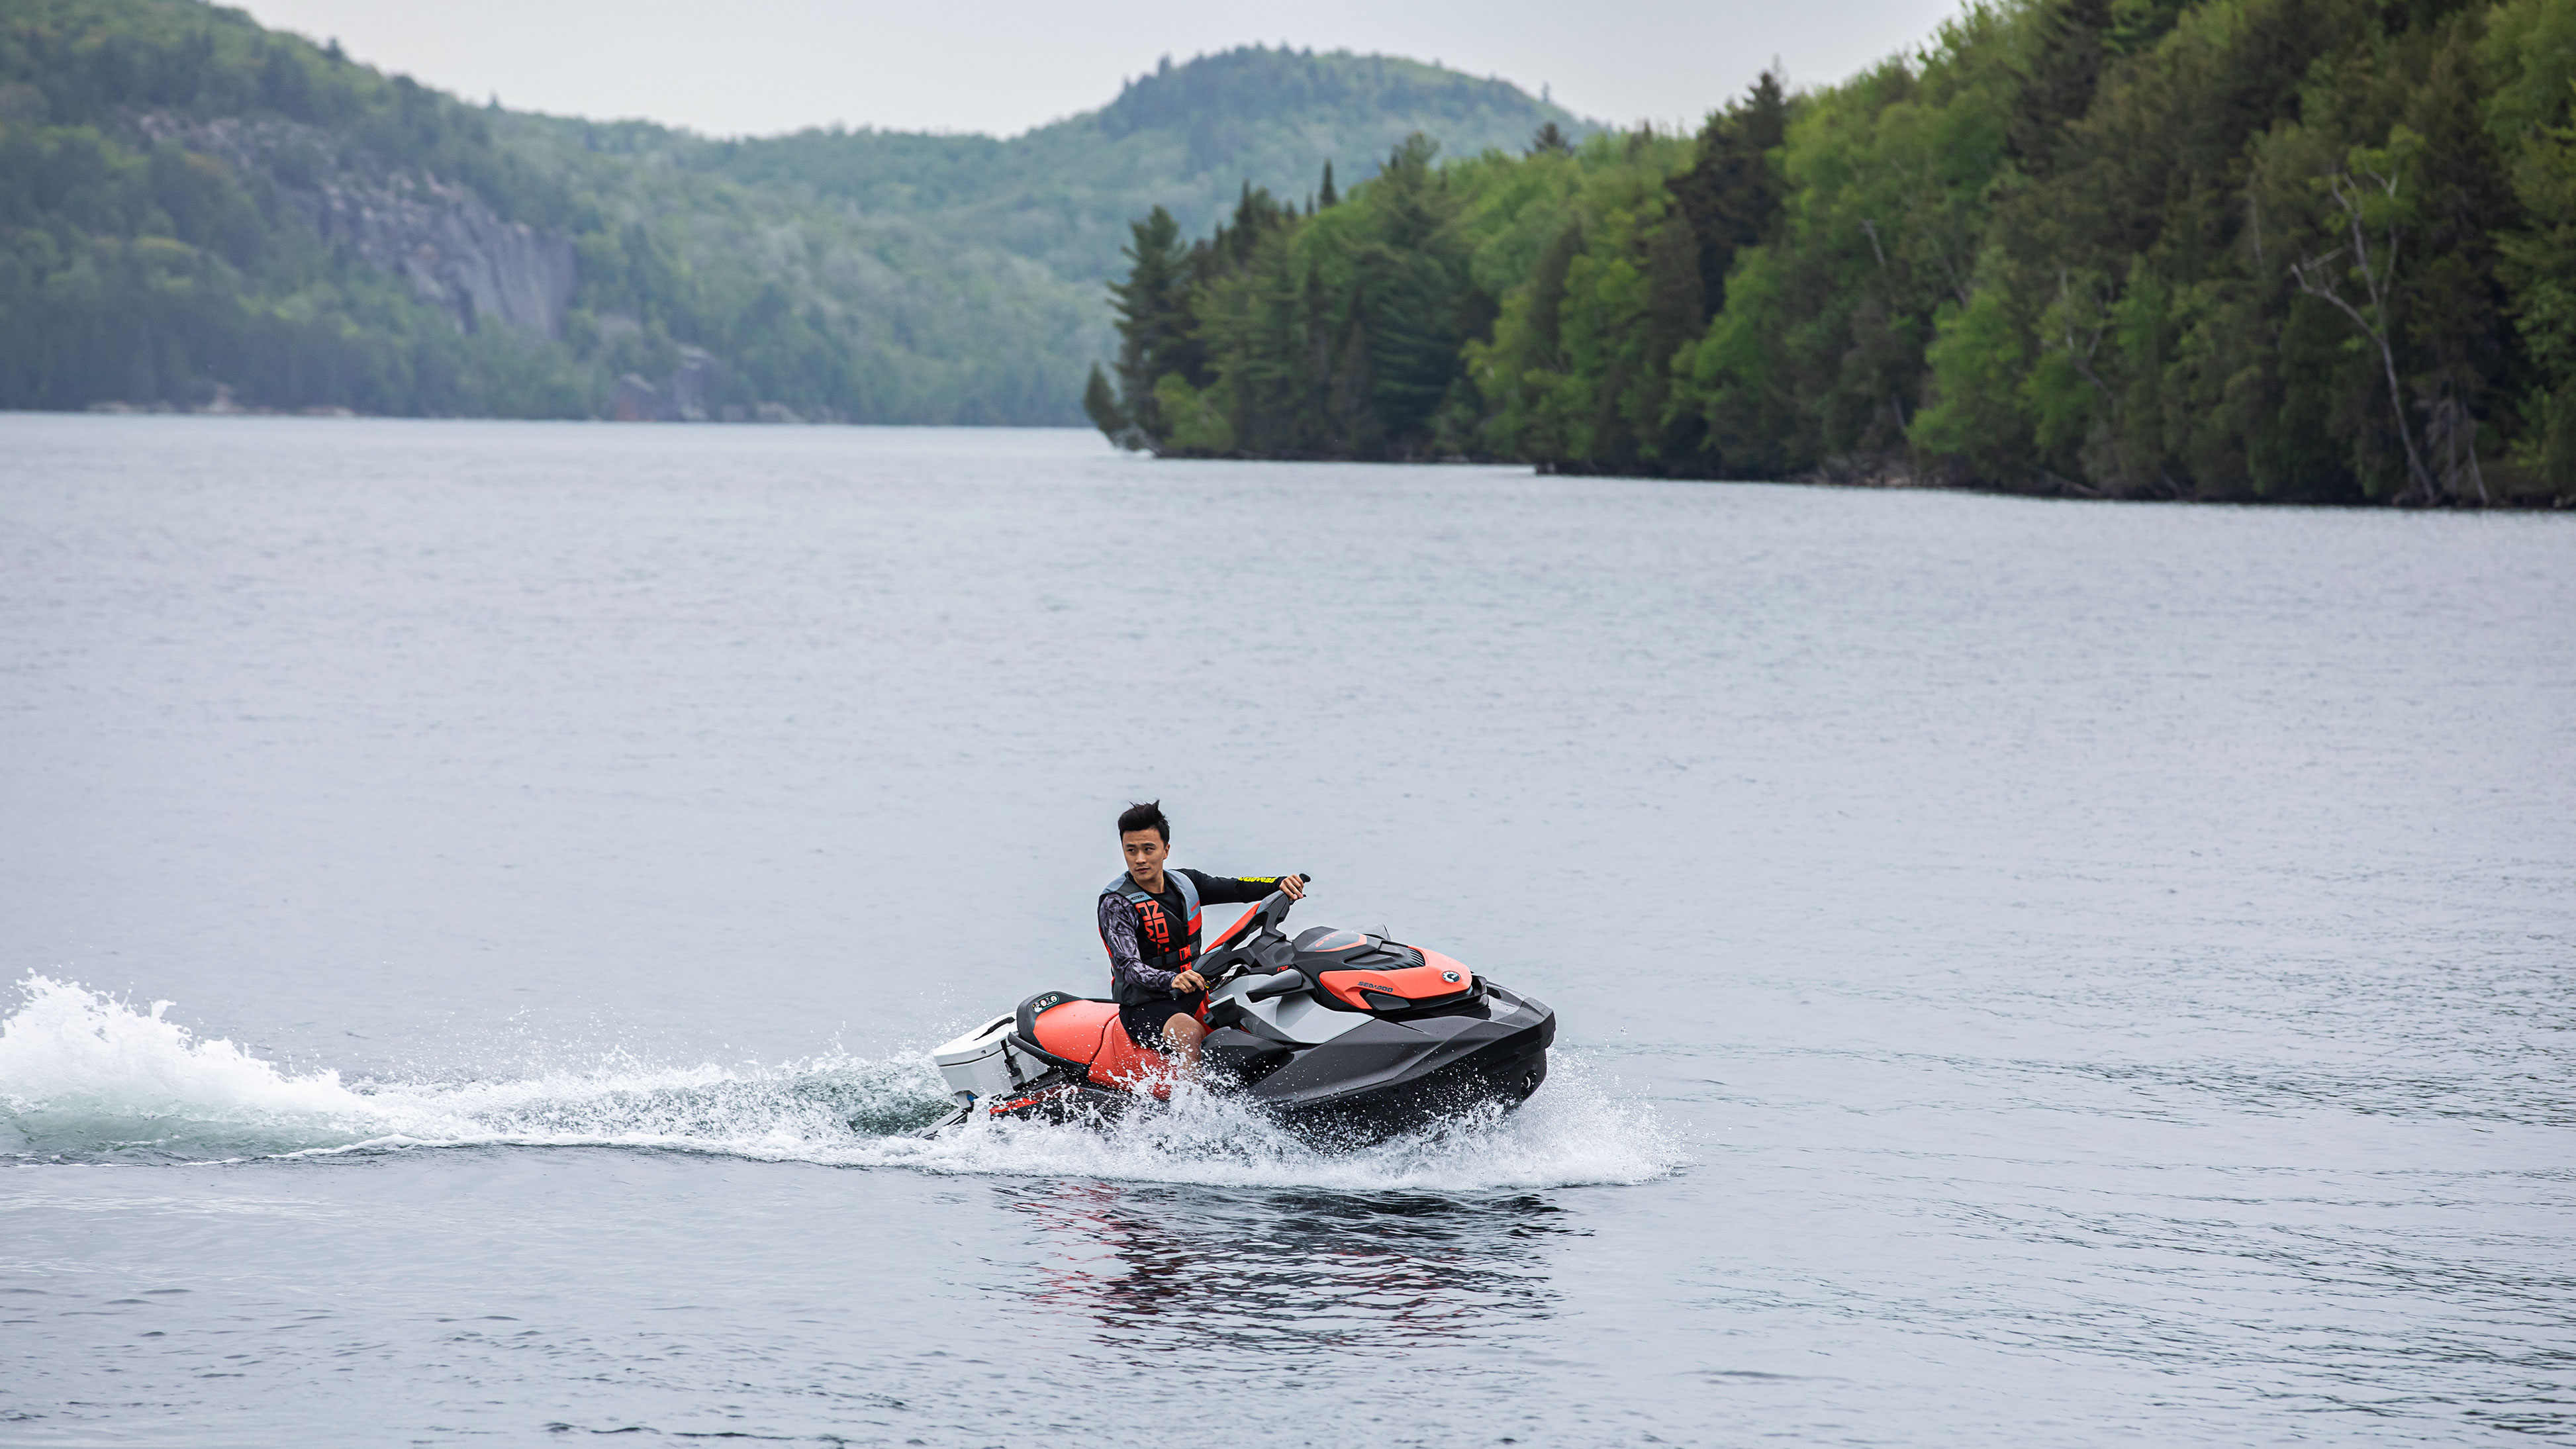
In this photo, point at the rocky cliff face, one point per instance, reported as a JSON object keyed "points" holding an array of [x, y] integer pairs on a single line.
{"points": [[453, 249]]}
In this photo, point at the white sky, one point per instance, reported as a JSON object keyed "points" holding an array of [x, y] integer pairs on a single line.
{"points": [[757, 67]]}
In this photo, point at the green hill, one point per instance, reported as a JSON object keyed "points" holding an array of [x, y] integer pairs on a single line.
{"points": [[1186, 138], [196, 211]]}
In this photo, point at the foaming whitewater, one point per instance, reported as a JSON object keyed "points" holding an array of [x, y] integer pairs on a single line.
{"points": [[84, 1076]]}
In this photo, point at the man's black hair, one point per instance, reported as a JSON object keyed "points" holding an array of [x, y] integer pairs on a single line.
{"points": [[1145, 816]]}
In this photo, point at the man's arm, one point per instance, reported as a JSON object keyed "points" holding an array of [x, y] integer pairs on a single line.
{"points": [[1126, 962], [1218, 890]]}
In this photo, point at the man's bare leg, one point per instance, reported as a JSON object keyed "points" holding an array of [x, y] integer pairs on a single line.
{"points": [[1182, 1034]]}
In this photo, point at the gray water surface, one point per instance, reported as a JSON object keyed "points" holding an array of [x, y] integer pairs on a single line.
{"points": [[475, 899]]}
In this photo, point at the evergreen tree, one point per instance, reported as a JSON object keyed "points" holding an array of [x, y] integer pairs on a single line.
{"points": [[1676, 314], [1732, 193], [1153, 318], [2057, 84], [1100, 403]]}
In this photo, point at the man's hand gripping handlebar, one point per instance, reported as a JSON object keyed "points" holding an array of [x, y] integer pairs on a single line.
{"points": [[1234, 953]]}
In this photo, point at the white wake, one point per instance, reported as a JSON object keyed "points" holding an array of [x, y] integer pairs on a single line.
{"points": [[84, 1076]]}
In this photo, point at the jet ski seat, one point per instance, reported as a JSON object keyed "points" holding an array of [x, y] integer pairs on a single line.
{"points": [[1085, 1034]]}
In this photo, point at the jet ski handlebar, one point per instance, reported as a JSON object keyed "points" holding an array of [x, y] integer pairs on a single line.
{"points": [[1229, 960]]}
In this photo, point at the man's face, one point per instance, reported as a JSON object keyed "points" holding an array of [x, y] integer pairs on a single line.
{"points": [[1145, 851]]}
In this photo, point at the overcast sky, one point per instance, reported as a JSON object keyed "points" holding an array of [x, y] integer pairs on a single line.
{"points": [[756, 67]]}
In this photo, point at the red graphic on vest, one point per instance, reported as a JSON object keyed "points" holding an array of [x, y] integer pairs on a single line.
{"points": [[1156, 927]]}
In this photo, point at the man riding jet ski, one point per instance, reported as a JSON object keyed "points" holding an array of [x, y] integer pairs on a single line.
{"points": [[1161, 1001], [1339, 1034]]}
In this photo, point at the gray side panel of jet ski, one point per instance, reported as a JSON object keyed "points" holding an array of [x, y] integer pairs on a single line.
{"points": [[1297, 1018]]}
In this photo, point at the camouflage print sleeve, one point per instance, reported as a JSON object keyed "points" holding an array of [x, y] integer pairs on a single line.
{"points": [[1126, 963]]}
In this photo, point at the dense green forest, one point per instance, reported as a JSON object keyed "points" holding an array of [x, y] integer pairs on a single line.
{"points": [[2287, 250], [196, 210]]}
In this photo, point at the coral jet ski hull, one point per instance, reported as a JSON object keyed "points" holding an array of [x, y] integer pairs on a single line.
{"points": [[1341, 1036]]}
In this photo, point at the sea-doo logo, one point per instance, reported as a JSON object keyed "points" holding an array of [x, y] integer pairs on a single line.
{"points": [[1449, 976]]}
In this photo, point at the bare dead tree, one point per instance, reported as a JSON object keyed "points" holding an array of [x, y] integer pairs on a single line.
{"points": [[2079, 351], [2080, 346], [2452, 430], [1921, 194], [2378, 278]]}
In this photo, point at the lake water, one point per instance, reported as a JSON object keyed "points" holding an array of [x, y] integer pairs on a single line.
{"points": [[475, 899]]}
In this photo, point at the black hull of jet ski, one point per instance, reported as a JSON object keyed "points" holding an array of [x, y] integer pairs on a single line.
{"points": [[1503, 1076], [1391, 1075]]}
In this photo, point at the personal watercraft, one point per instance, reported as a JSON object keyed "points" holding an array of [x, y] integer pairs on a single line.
{"points": [[1340, 1035]]}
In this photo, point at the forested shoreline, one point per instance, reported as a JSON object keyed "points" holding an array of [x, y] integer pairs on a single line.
{"points": [[199, 212], [2316, 251]]}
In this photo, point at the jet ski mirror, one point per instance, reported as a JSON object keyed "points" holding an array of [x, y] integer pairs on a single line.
{"points": [[1279, 985], [1274, 907]]}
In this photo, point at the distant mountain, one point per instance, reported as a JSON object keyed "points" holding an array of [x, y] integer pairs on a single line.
{"points": [[1184, 137], [196, 212]]}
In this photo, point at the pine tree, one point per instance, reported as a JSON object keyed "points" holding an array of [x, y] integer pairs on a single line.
{"points": [[1153, 319], [1676, 312], [1732, 195], [1547, 295], [2058, 83], [1100, 400]]}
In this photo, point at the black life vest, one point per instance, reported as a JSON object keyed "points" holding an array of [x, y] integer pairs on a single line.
{"points": [[1161, 942]]}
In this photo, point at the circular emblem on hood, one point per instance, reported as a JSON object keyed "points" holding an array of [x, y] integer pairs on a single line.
{"points": [[1450, 976]]}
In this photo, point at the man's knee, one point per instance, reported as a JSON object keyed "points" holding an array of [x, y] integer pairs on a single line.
{"points": [[1183, 1030]]}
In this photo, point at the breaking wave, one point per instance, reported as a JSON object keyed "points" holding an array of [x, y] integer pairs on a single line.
{"points": [[86, 1077]]}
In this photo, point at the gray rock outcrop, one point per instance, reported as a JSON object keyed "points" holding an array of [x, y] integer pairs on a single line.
{"points": [[453, 250], [439, 236]]}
